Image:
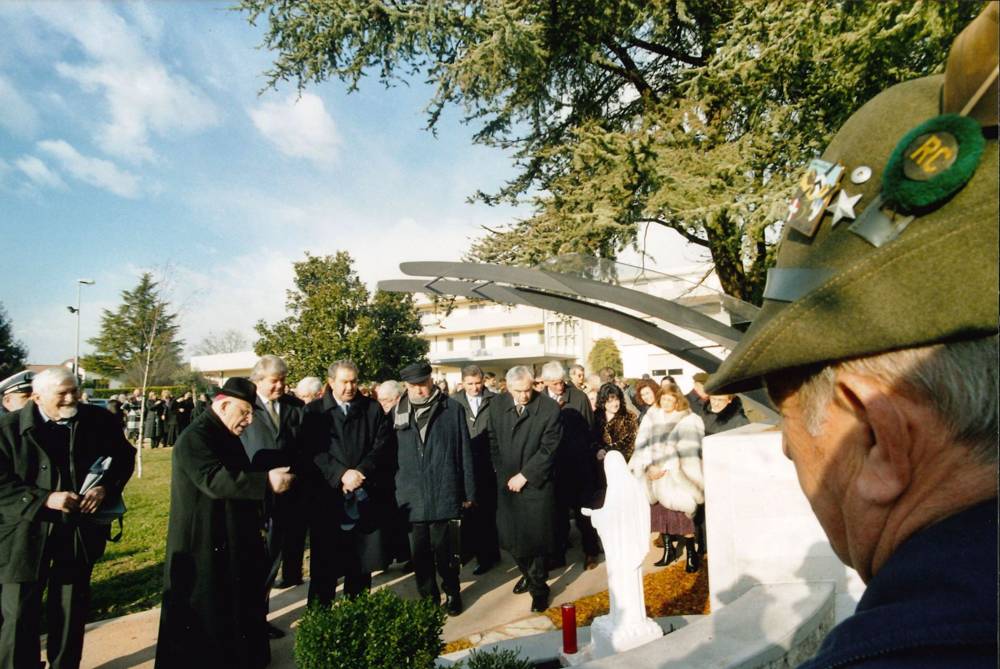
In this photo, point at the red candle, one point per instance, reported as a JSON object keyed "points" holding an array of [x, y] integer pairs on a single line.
{"points": [[569, 628]]}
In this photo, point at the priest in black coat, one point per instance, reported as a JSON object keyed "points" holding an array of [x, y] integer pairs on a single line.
{"points": [[525, 430], [349, 438], [214, 611]]}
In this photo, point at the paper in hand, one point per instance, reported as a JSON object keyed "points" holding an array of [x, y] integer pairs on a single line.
{"points": [[95, 474]]}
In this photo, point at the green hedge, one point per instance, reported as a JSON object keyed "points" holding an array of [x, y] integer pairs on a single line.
{"points": [[372, 631], [105, 393], [496, 658]]}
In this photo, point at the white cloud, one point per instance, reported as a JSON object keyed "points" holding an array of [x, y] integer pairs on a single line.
{"points": [[17, 115], [142, 96], [94, 171], [299, 127], [38, 172]]}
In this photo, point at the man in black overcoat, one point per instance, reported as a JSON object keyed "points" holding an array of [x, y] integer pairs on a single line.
{"points": [[576, 464], [170, 418], [434, 481], [480, 523], [349, 438], [46, 537], [214, 610], [273, 439], [525, 430]]}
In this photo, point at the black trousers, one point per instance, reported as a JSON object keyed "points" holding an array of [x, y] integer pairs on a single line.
{"points": [[588, 535], [293, 522], [333, 556], [535, 574], [431, 548], [68, 583], [480, 524]]}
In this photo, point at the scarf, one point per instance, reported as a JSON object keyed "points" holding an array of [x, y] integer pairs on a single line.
{"points": [[419, 411]]}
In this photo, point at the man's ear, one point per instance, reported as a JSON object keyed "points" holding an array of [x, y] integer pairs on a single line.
{"points": [[886, 467]]}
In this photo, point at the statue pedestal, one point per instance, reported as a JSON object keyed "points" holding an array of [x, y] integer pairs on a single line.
{"points": [[606, 639]]}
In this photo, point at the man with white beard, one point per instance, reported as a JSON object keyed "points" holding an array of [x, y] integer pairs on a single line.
{"points": [[46, 450]]}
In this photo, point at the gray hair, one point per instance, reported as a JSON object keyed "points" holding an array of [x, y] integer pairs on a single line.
{"points": [[331, 372], [388, 390], [553, 371], [308, 386], [50, 378], [519, 372], [472, 370], [959, 380], [268, 365]]}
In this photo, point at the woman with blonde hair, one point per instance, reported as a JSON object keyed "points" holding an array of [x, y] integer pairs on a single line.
{"points": [[667, 459]]}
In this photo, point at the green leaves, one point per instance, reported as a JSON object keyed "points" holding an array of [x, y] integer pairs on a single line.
{"points": [[332, 316], [694, 115], [605, 353], [377, 630]]}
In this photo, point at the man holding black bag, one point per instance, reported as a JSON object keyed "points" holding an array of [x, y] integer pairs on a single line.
{"points": [[434, 480], [50, 536]]}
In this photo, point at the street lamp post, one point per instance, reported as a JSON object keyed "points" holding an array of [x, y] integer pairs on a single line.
{"points": [[76, 356]]}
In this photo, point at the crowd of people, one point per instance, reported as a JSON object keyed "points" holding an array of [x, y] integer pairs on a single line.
{"points": [[409, 472]]}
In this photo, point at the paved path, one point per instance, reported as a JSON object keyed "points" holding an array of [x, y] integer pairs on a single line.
{"points": [[490, 608]]}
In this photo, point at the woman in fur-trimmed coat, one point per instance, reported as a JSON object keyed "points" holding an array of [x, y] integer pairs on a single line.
{"points": [[667, 458]]}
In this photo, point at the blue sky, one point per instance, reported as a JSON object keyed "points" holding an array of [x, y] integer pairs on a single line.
{"points": [[133, 137]]}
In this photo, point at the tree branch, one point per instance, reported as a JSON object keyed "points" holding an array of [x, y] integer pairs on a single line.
{"points": [[631, 70], [666, 51], [694, 239]]}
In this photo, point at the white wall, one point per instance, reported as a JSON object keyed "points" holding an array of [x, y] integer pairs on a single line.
{"points": [[760, 526]]}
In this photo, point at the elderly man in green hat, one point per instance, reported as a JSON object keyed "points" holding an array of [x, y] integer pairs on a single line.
{"points": [[877, 342]]}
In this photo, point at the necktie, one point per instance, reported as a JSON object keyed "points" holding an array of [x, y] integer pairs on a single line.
{"points": [[519, 408], [475, 406], [269, 406], [345, 406]]}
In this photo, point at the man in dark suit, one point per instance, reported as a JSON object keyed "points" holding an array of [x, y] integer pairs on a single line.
{"points": [[525, 430], [434, 480], [480, 522], [170, 418], [273, 440], [349, 439], [48, 535], [576, 464]]}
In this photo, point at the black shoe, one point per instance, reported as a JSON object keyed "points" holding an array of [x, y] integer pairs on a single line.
{"points": [[482, 568], [539, 603], [273, 632], [521, 586], [693, 558], [453, 604], [289, 582], [669, 552]]}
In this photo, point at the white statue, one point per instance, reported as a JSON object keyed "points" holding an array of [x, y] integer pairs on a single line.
{"points": [[623, 525]]}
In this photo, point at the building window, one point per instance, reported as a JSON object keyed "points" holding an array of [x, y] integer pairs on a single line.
{"points": [[450, 343], [676, 372], [658, 372], [511, 339], [477, 342]]}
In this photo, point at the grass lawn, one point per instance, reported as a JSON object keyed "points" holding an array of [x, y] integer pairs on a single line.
{"points": [[129, 577]]}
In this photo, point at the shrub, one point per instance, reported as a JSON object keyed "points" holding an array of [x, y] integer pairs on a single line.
{"points": [[496, 658], [374, 631]]}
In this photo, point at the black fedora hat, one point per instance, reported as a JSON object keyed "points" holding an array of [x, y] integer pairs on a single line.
{"points": [[241, 388], [417, 372]]}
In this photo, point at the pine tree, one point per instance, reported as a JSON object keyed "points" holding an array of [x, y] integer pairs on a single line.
{"points": [[141, 333], [13, 355], [605, 353]]}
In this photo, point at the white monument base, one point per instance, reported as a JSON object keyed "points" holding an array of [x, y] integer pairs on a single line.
{"points": [[606, 639]]}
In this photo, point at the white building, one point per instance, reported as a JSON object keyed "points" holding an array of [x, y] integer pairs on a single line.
{"points": [[220, 366]]}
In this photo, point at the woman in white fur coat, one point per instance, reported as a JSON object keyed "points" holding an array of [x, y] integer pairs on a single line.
{"points": [[667, 459]]}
